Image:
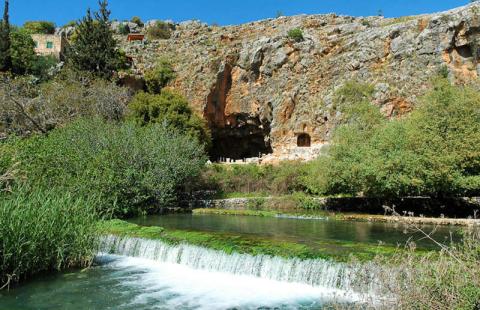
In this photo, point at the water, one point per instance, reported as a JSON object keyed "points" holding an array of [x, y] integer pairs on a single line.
{"points": [[143, 274], [136, 283], [305, 231]]}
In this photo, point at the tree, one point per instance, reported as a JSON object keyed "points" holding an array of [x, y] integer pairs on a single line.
{"points": [[5, 43], [42, 27], [137, 20], [169, 108], [95, 48], [158, 77], [22, 52]]}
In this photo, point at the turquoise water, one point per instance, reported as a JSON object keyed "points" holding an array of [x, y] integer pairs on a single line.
{"points": [[197, 278]]}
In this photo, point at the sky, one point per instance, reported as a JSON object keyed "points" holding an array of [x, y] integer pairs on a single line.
{"points": [[222, 12]]}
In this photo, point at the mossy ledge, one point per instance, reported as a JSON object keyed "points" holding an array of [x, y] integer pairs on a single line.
{"points": [[230, 243]]}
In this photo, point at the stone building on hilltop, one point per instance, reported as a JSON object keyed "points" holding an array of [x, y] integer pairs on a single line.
{"points": [[50, 45]]}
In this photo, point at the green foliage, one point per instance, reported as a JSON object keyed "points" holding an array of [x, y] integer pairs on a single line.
{"points": [[124, 29], [295, 34], [94, 48], [282, 179], [42, 66], [160, 30], [131, 169], [446, 280], [137, 20], [158, 77], [44, 231], [40, 27], [170, 109], [5, 41], [434, 152], [22, 52]]}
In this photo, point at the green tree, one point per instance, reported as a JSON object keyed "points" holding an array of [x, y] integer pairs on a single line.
{"points": [[158, 77], [22, 52], [5, 43], [95, 48], [41, 27], [137, 20], [129, 168], [169, 108]]}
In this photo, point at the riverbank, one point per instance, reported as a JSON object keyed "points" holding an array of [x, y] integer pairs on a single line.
{"points": [[414, 210], [325, 215]]}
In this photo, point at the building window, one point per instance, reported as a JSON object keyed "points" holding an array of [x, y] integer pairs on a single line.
{"points": [[49, 44]]}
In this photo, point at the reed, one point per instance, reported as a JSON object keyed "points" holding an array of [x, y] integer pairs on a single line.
{"points": [[43, 231]]}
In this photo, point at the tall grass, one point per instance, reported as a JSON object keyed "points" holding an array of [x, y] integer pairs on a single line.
{"points": [[42, 231]]}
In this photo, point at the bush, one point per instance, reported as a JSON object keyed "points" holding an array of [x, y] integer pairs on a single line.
{"points": [[137, 20], [44, 231], [43, 67], [158, 77], [171, 109], [27, 107], [282, 179], [295, 34], [446, 280], [433, 152], [124, 29], [131, 169], [160, 30], [40, 27], [22, 52]]}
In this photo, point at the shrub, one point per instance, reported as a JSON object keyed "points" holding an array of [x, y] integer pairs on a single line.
{"points": [[40, 27], [137, 20], [27, 107], [22, 52], [44, 231], [131, 169], [159, 30], [446, 280], [295, 34], [158, 77], [124, 29], [282, 179], [171, 109], [43, 67], [433, 152]]}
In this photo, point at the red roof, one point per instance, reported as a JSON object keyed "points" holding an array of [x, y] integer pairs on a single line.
{"points": [[135, 37]]}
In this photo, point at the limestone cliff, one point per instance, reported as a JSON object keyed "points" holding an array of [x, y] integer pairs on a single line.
{"points": [[260, 90]]}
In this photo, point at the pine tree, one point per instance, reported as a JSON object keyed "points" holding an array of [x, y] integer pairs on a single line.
{"points": [[95, 48], [5, 41]]}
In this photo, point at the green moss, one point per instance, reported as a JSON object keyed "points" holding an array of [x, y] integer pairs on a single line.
{"points": [[230, 243], [236, 212]]}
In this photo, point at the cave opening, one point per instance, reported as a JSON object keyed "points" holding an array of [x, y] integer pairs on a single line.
{"points": [[304, 140], [235, 136], [241, 142]]}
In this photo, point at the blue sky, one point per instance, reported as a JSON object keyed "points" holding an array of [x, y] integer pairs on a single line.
{"points": [[223, 12]]}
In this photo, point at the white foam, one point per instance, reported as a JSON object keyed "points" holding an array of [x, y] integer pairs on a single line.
{"points": [[176, 286]]}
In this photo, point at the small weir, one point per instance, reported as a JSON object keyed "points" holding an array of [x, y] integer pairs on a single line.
{"points": [[313, 272]]}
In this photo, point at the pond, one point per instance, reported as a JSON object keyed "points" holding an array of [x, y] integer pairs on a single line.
{"points": [[305, 231], [188, 277]]}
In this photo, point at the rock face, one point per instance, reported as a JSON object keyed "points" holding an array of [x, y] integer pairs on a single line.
{"points": [[259, 90]]}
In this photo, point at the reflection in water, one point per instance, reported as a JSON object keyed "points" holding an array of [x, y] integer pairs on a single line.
{"points": [[309, 232]]}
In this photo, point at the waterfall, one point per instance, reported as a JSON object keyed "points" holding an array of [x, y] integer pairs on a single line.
{"points": [[314, 272]]}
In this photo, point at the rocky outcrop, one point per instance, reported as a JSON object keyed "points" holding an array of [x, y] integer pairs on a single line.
{"points": [[258, 90]]}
